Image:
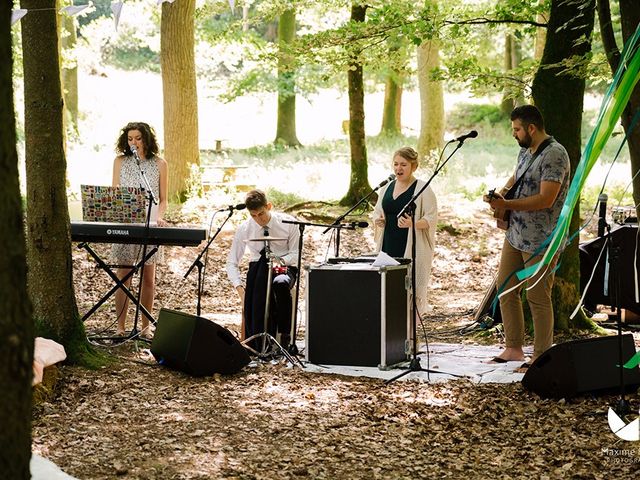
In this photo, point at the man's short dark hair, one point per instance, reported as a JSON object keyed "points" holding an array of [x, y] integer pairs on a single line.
{"points": [[528, 115], [255, 200]]}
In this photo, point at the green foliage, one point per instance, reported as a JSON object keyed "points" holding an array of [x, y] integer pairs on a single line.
{"points": [[475, 193], [282, 200], [134, 46], [468, 115]]}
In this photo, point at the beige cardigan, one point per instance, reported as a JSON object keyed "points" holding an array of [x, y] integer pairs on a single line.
{"points": [[426, 208]]}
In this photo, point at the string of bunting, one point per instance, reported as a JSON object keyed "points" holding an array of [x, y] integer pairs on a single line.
{"points": [[116, 9]]}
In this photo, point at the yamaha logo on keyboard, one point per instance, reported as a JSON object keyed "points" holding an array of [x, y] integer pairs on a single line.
{"points": [[117, 232]]}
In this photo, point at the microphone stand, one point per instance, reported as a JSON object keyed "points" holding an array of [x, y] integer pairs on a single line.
{"points": [[343, 216], [622, 406], [410, 208], [145, 240], [198, 263], [293, 348]]}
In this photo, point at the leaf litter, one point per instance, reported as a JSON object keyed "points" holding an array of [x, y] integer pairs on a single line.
{"points": [[136, 419]]}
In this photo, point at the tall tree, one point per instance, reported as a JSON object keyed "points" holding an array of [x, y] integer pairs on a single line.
{"points": [[180, 98], [512, 94], [432, 118], [392, 106], [48, 237], [559, 95], [68, 38], [630, 19], [286, 124], [359, 182], [16, 324]]}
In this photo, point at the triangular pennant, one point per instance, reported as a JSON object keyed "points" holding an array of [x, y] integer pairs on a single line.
{"points": [[74, 9], [17, 14], [633, 361], [116, 8]]}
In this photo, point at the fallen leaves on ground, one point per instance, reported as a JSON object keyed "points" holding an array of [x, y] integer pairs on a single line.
{"points": [[136, 419]]}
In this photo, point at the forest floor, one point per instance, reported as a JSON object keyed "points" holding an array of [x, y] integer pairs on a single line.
{"points": [[136, 419]]}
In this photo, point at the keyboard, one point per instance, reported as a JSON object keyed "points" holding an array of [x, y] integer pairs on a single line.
{"points": [[134, 233]]}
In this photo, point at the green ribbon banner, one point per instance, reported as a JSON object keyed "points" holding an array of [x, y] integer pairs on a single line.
{"points": [[613, 104]]}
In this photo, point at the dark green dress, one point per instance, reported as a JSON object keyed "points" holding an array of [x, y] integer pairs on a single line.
{"points": [[394, 241]]}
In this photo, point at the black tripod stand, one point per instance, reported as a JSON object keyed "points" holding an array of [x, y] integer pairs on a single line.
{"points": [[270, 345], [410, 209], [198, 261]]}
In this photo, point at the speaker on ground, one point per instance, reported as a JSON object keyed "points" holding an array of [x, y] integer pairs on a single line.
{"points": [[582, 366], [196, 345]]}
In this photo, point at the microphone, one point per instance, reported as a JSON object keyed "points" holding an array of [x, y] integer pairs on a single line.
{"points": [[602, 214], [134, 150], [462, 138], [391, 178], [359, 224], [231, 208]]}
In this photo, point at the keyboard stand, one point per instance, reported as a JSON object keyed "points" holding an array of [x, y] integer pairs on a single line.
{"points": [[118, 283]]}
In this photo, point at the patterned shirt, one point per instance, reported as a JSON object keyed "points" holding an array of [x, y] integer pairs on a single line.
{"points": [[528, 230]]}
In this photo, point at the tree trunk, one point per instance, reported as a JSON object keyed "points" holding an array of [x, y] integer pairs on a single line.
{"points": [[630, 18], [48, 246], [541, 36], [69, 70], [180, 98], [16, 323], [392, 104], [359, 181], [512, 95], [286, 125], [560, 99], [431, 100]]}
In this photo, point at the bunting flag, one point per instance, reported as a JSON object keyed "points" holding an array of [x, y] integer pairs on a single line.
{"points": [[75, 9], [633, 361], [17, 14], [613, 104], [116, 8]]}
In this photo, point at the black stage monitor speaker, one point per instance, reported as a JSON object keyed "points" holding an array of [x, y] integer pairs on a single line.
{"points": [[582, 366], [196, 345]]}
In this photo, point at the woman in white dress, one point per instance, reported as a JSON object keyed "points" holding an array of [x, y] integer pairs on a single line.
{"points": [[126, 173]]}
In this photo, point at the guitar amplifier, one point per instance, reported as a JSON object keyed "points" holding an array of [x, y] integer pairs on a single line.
{"points": [[357, 315]]}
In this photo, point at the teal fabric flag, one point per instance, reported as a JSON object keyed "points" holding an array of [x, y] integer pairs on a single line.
{"points": [[633, 361]]}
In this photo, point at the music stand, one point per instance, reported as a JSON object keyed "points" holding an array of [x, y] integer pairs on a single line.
{"points": [[270, 345]]}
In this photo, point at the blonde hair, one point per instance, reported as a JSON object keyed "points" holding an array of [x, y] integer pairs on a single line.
{"points": [[408, 154]]}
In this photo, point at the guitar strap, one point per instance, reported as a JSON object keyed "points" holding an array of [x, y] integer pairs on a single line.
{"points": [[509, 195]]}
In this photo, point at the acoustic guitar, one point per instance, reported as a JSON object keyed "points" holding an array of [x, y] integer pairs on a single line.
{"points": [[501, 215]]}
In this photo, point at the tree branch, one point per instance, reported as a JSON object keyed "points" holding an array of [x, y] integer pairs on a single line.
{"points": [[606, 32], [484, 20]]}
